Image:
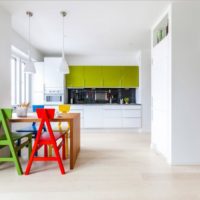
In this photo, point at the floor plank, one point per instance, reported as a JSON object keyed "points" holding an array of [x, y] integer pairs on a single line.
{"points": [[112, 165]]}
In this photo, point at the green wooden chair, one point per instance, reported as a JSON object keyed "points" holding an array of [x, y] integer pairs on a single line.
{"points": [[11, 139]]}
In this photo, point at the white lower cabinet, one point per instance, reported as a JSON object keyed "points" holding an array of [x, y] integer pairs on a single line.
{"points": [[112, 113], [112, 117], [131, 122], [93, 117], [109, 116], [131, 113], [112, 123], [78, 109]]}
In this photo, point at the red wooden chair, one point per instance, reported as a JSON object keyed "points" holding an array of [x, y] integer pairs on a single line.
{"points": [[45, 139]]}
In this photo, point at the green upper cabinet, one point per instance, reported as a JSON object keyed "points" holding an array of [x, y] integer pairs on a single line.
{"points": [[76, 77], [130, 77], [93, 77], [111, 76], [103, 77]]}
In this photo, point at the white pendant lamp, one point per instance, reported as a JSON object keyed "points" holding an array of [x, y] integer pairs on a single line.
{"points": [[29, 68], [64, 67]]}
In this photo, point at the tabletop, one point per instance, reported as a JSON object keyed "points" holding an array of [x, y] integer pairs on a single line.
{"points": [[31, 117]]}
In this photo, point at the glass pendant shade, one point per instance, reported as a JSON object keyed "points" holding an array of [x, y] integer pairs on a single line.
{"points": [[29, 67], [64, 67]]}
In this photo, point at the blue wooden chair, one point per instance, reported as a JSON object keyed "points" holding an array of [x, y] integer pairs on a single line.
{"points": [[30, 129]]}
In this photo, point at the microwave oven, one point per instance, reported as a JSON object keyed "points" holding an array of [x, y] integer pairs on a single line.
{"points": [[54, 97]]}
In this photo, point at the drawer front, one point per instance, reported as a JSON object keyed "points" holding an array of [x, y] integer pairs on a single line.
{"points": [[107, 113], [112, 123], [92, 123], [93, 117], [112, 107], [131, 107], [131, 113], [131, 122]]}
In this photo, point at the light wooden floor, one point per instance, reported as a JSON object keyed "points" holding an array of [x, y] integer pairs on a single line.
{"points": [[111, 166]]}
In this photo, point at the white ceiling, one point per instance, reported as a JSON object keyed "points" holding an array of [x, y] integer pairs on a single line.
{"points": [[91, 27]]}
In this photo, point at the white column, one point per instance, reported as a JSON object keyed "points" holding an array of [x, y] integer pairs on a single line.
{"points": [[144, 93], [5, 49]]}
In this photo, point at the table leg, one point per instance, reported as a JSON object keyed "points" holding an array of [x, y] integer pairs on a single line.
{"points": [[74, 140]]}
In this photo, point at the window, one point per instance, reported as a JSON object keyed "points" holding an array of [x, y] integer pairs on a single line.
{"points": [[20, 82]]}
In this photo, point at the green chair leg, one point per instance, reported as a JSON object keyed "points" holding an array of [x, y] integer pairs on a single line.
{"points": [[16, 160]]}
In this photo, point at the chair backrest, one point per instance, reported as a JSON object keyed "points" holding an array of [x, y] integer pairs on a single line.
{"points": [[6, 113], [34, 107], [45, 113], [64, 108]]}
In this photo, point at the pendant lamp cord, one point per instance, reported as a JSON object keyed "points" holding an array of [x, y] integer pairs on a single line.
{"points": [[63, 47], [29, 36]]}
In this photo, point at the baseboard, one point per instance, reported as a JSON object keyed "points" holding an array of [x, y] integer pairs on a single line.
{"points": [[110, 130], [184, 163]]}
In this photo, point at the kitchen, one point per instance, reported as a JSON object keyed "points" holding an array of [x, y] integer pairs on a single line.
{"points": [[91, 91], [101, 97]]}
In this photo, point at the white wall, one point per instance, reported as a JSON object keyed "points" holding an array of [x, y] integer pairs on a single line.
{"points": [[22, 45], [5, 73], [103, 60], [186, 83], [7, 38]]}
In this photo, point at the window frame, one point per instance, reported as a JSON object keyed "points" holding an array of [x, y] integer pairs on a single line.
{"points": [[20, 82]]}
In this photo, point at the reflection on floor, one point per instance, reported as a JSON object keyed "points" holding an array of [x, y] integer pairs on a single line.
{"points": [[111, 166]]}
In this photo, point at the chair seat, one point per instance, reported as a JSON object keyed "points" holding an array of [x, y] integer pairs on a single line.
{"points": [[45, 137], [16, 136]]}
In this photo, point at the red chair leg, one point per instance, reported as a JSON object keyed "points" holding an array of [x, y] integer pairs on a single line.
{"points": [[58, 158], [34, 150]]}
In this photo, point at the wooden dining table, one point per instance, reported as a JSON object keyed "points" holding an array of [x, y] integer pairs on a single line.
{"points": [[74, 122]]}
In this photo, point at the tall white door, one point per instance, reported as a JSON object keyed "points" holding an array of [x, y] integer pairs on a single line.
{"points": [[161, 87], [38, 84], [52, 77]]}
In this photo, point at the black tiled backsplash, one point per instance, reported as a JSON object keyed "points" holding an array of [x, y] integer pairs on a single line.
{"points": [[100, 95]]}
